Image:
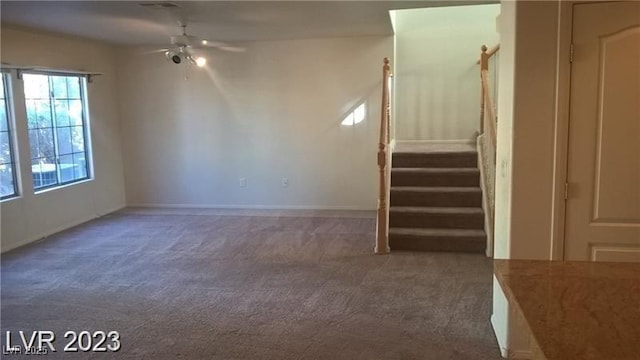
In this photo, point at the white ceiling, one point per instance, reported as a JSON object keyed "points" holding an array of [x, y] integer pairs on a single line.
{"points": [[126, 22]]}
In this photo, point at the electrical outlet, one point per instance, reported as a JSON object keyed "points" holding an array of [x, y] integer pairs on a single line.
{"points": [[285, 182], [243, 182]]}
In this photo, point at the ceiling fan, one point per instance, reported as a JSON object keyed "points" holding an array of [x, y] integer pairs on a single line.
{"points": [[185, 47]]}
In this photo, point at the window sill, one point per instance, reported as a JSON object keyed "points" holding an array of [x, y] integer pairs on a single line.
{"points": [[11, 198], [53, 188]]}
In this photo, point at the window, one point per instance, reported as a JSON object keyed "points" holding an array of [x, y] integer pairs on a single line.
{"points": [[354, 117], [7, 163], [56, 120]]}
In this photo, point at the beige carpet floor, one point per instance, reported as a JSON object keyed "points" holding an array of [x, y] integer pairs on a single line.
{"points": [[248, 287]]}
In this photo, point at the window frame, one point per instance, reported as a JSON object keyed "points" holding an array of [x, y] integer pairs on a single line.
{"points": [[83, 80], [11, 133]]}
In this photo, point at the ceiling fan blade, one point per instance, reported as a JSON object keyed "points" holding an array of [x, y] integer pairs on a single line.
{"points": [[232, 48], [156, 51], [210, 43], [221, 45]]}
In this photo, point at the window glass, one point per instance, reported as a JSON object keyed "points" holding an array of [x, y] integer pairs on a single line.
{"points": [[8, 184], [57, 129]]}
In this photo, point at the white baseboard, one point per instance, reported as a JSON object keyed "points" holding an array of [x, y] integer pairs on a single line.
{"points": [[429, 142], [250, 207], [228, 210], [109, 211], [58, 229]]}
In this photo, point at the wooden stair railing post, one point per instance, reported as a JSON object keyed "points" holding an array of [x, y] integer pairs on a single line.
{"points": [[490, 107], [382, 223], [484, 64], [390, 127], [488, 148]]}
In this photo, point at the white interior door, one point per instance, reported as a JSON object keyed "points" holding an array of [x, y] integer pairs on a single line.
{"points": [[603, 209]]}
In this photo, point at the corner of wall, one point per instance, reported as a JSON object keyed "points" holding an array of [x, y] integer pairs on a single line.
{"points": [[33, 216]]}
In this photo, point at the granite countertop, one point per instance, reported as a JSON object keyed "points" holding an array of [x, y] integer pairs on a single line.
{"points": [[576, 310]]}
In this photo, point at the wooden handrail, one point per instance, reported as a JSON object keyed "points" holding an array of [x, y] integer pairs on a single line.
{"points": [[490, 107], [490, 53], [382, 223], [486, 101], [487, 143], [484, 64]]}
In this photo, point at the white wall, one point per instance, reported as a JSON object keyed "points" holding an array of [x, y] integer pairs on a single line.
{"points": [[502, 315], [525, 157], [533, 126], [273, 111], [30, 217], [437, 79]]}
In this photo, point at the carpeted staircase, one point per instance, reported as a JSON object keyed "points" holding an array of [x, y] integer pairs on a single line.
{"points": [[436, 202]]}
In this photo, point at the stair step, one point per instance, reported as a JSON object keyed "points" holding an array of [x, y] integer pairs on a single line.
{"points": [[463, 159], [436, 196], [436, 217], [455, 240], [435, 177]]}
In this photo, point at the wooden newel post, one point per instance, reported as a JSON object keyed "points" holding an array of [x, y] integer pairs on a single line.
{"points": [[484, 58], [484, 65], [382, 223]]}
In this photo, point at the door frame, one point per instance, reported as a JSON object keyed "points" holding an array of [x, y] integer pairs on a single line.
{"points": [[561, 130]]}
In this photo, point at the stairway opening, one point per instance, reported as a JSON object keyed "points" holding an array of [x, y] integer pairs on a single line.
{"points": [[436, 199]]}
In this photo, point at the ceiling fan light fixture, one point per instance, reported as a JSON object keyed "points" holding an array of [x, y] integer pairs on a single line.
{"points": [[201, 61], [173, 56], [197, 60], [184, 47]]}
